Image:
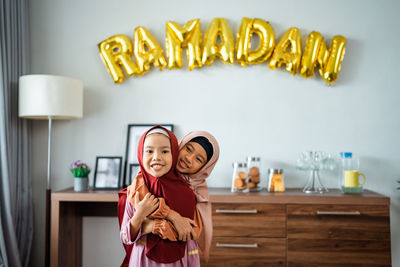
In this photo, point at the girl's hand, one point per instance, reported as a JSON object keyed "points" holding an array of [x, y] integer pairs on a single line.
{"points": [[147, 226], [183, 225], [146, 206]]}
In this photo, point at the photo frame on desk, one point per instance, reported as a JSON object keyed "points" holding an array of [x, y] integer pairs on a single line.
{"points": [[133, 170], [107, 174], [135, 131]]}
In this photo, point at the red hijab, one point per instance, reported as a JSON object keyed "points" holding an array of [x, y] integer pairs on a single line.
{"points": [[178, 196]]}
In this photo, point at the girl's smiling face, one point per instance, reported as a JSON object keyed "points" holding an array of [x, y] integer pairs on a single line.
{"points": [[157, 155], [192, 157]]}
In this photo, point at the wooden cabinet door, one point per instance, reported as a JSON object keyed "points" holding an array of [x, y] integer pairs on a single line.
{"points": [[338, 235]]}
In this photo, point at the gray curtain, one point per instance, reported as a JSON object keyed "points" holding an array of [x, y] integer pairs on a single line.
{"points": [[16, 226]]}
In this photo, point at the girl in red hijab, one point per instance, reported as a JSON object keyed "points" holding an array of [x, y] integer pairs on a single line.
{"points": [[158, 155], [198, 155]]}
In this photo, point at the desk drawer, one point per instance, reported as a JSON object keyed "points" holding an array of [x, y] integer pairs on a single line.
{"points": [[249, 220], [349, 222], [234, 251]]}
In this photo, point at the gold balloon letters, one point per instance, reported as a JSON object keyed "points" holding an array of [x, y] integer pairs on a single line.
{"points": [[316, 53], [117, 51], [267, 41], [289, 41], [218, 31], [147, 51], [187, 36]]}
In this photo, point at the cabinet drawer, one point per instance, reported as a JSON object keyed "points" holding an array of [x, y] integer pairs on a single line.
{"points": [[349, 222], [328, 252], [234, 251], [249, 220]]}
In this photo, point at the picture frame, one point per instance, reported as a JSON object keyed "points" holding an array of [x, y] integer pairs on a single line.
{"points": [[107, 174], [133, 170], [135, 131]]}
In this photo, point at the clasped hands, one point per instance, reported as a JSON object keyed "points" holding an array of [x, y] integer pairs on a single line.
{"points": [[183, 226]]}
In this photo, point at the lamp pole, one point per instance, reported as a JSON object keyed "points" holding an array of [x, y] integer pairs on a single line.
{"points": [[48, 197]]}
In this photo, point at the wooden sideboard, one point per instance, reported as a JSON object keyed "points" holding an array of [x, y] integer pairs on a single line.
{"points": [[297, 229], [256, 229]]}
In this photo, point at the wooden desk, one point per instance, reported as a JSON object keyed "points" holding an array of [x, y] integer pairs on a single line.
{"points": [[293, 212], [67, 209]]}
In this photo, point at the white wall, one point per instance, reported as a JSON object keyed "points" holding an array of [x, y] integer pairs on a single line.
{"points": [[251, 111]]}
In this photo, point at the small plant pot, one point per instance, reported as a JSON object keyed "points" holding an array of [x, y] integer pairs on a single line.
{"points": [[81, 184]]}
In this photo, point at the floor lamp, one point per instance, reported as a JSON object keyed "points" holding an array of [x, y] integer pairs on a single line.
{"points": [[49, 97]]}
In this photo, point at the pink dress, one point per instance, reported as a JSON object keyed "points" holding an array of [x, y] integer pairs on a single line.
{"points": [[138, 255]]}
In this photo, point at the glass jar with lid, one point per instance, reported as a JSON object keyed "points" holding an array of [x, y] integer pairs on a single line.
{"points": [[239, 177], [275, 180], [254, 174]]}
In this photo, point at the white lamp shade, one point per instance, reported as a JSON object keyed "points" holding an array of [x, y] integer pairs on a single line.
{"points": [[44, 96]]}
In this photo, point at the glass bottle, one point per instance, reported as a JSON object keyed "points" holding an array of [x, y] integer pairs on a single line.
{"points": [[239, 177], [350, 174], [254, 174]]}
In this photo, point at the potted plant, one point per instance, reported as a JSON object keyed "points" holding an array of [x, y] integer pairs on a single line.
{"points": [[81, 172]]}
